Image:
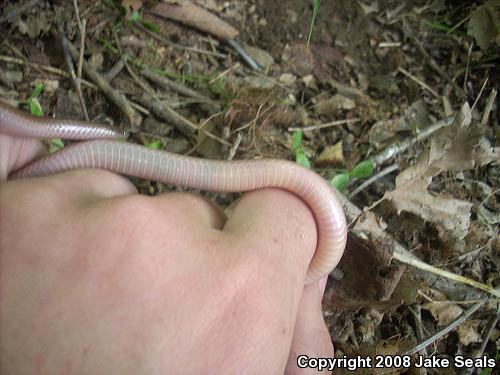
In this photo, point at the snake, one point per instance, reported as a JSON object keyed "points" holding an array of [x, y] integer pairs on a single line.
{"points": [[100, 147]]}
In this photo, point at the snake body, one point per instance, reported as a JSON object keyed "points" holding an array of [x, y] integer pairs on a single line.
{"points": [[100, 151]]}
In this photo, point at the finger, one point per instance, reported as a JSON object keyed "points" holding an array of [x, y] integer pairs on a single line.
{"points": [[177, 213], [17, 152], [277, 228], [311, 336], [190, 210]]}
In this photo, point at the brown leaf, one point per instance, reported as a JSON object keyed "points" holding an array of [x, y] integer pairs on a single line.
{"points": [[134, 4], [441, 309], [368, 278], [192, 15], [451, 149], [468, 332]]}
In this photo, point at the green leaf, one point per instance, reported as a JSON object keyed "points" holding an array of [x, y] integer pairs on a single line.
{"points": [[37, 91], [296, 141], [340, 181], [135, 16], [302, 160], [35, 107], [363, 169], [55, 145], [437, 25], [151, 26], [313, 19], [155, 145]]}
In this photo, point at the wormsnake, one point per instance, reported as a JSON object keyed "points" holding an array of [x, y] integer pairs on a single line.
{"points": [[101, 151]]}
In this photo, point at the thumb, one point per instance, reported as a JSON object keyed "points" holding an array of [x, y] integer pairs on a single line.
{"points": [[311, 337], [277, 229], [17, 152]]}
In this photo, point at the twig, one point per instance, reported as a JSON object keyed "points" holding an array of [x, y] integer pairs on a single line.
{"points": [[234, 147], [162, 109], [480, 93], [432, 64], [327, 125], [169, 84], [421, 83], [459, 24], [71, 69], [417, 314], [398, 147], [46, 68], [411, 260], [114, 71], [202, 126], [489, 106], [82, 50], [244, 55], [18, 10], [119, 99], [389, 44], [224, 73], [485, 336], [78, 79], [257, 116], [167, 42], [466, 77], [372, 179], [450, 327], [25, 59], [77, 12]]}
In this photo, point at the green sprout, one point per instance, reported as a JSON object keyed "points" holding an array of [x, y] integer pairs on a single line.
{"points": [[155, 144], [33, 103], [300, 156], [313, 19], [137, 17], [361, 170], [37, 110]]}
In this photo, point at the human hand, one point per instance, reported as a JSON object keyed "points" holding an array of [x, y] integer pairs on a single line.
{"points": [[96, 279]]}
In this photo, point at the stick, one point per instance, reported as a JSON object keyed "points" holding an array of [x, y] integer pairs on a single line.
{"points": [[421, 83], [450, 327], [118, 99], [327, 125]]}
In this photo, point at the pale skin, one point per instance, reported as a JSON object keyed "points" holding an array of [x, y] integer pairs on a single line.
{"points": [[97, 279]]}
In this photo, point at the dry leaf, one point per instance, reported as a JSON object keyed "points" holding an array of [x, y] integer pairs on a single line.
{"points": [[441, 309], [484, 24], [192, 15], [34, 25], [451, 149], [134, 4], [467, 332]]}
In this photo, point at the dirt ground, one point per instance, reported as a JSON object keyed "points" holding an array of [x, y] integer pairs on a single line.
{"points": [[370, 88]]}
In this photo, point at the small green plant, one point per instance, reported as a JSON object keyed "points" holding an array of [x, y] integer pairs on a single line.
{"points": [[37, 110], [300, 156], [137, 17], [33, 103], [155, 144], [55, 145], [313, 19], [341, 180], [361, 170]]}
